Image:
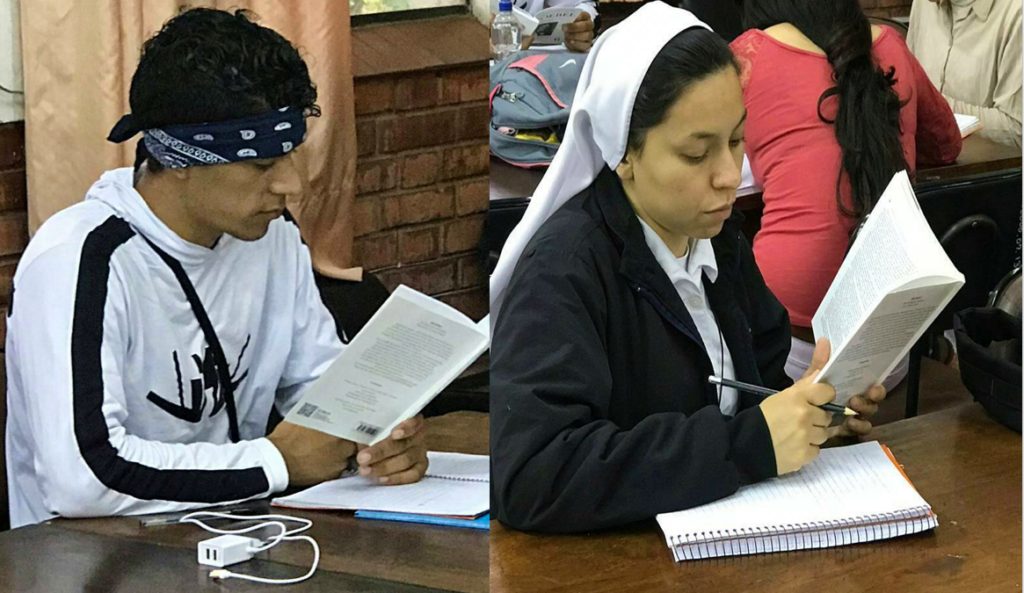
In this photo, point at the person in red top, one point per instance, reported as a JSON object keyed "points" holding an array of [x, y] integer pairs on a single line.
{"points": [[835, 107]]}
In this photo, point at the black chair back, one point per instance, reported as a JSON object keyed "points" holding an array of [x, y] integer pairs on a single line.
{"points": [[975, 219], [502, 217], [351, 303], [723, 16]]}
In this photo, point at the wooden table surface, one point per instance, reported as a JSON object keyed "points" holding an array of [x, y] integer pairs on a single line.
{"points": [[116, 554], [965, 465], [979, 155]]}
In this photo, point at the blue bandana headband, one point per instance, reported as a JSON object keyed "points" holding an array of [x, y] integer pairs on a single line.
{"points": [[265, 136]]}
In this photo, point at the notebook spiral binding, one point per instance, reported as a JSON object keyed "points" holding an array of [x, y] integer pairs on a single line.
{"points": [[456, 479], [801, 536]]}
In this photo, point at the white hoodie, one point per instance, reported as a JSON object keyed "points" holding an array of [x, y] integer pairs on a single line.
{"points": [[113, 404]]}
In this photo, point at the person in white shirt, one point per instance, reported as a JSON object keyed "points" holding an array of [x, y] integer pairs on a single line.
{"points": [[579, 35], [155, 326], [971, 50]]}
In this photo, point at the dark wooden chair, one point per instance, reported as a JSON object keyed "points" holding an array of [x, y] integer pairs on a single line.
{"points": [[502, 217], [723, 16], [976, 220], [351, 303]]}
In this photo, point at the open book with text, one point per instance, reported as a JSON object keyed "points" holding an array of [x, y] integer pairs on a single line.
{"points": [[410, 350], [894, 282], [968, 124], [549, 24], [546, 25]]}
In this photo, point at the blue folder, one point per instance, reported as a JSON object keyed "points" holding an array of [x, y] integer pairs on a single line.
{"points": [[481, 522]]}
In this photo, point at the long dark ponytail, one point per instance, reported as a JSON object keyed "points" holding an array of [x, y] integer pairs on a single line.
{"points": [[867, 118]]}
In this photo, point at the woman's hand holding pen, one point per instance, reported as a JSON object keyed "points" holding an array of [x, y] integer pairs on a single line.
{"points": [[797, 425], [865, 405], [797, 433]]}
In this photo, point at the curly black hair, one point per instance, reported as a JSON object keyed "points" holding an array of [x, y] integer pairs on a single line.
{"points": [[208, 65]]}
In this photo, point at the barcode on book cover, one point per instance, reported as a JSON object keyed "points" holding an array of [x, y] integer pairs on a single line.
{"points": [[307, 410], [368, 429]]}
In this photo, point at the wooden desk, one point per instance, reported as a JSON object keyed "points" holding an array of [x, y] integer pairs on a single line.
{"points": [[965, 465], [117, 554], [508, 181], [979, 155], [49, 559]]}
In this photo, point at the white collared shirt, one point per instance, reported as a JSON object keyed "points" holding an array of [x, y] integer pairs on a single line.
{"points": [[686, 273], [971, 50]]}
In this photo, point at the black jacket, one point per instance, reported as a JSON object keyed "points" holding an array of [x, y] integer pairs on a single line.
{"points": [[601, 413]]}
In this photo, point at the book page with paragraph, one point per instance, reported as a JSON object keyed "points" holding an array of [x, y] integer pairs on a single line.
{"points": [[893, 283], [410, 350]]}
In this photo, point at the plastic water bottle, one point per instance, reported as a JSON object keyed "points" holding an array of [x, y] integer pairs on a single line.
{"points": [[506, 32]]}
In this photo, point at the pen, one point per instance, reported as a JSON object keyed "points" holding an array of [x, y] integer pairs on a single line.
{"points": [[173, 518], [740, 386]]}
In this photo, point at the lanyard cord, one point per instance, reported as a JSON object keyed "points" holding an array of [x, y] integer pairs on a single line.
{"points": [[721, 339]]}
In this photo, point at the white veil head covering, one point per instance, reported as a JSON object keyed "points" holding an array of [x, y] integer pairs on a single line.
{"points": [[598, 122]]}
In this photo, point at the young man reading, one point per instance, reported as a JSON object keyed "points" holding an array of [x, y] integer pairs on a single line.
{"points": [[154, 326]]}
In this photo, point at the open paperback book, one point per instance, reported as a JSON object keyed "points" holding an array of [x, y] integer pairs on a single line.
{"points": [[455, 485], [894, 282], [410, 350], [848, 495], [549, 24], [546, 25], [747, 184], [968, 124]]}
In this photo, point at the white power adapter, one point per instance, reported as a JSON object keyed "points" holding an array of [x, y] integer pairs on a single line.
{"points": [[231, 547], [226, 550]]}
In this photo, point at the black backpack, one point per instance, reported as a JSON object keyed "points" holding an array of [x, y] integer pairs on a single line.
{"points": [[988, 341]]}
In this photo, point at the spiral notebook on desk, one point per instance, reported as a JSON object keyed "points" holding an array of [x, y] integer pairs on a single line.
{"points": [[455, 485], [848, 495]]}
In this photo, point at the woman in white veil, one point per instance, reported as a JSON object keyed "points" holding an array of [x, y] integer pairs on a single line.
{"points": [[626, 286]]}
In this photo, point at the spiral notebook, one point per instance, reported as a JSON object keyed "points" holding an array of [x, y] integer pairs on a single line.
{"points": [[848, 495], [455, 485]]}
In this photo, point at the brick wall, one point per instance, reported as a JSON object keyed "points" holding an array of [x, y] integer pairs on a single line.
{"points": [[887, 8], [422, 182]]}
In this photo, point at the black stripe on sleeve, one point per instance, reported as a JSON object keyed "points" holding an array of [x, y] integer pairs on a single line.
{"points": [[127, 477]]}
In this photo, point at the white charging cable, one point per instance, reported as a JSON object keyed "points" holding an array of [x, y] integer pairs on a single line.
{"points": [[265, 521]]}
